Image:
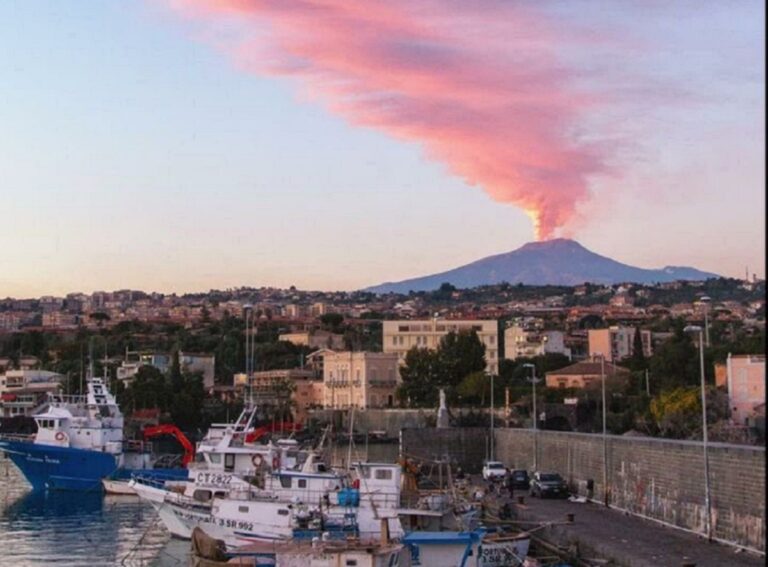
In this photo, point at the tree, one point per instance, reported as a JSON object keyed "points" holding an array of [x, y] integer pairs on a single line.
{"points": [[460, 354], [676, 411], [176, 378], [421, 375], [475, 388], [675, 363], [332, 322], [637, 360]]}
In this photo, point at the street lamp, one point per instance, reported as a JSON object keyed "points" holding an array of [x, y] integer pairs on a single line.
{"points": [[705, 301], [533, 380], [605, 430], [705, 436], [492, 457], [248, 316]]}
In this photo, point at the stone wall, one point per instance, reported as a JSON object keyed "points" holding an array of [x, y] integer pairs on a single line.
{"points": [[655, 478]]}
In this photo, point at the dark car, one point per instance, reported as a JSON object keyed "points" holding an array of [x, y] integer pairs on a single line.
{"points": [[546, 485], [520, 479]]}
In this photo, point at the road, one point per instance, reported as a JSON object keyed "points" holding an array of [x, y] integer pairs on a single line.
{"points": [[626, 539]]}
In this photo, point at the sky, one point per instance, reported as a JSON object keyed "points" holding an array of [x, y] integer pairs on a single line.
{"points": [[185, 145]]}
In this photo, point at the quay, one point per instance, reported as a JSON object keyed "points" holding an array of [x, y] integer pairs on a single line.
{"points": [[604, 536]]}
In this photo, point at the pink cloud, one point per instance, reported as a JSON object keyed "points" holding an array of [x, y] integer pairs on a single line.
{"points": [[482, 86]]}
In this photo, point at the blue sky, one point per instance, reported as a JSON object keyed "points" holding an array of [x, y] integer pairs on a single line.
{"points": [[134, 154]]}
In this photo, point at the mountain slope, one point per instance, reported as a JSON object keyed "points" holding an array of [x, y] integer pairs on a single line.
{"points": [[552, 262]]}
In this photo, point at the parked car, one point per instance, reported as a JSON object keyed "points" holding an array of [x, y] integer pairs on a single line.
{"points": [[520, 479], [544, 485], [493, 470]]}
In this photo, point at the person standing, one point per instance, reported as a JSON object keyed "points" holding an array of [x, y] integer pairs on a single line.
{"points": [[509, 484]]}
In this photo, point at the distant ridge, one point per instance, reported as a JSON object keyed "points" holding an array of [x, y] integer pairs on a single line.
{"points": [[552, 262]]}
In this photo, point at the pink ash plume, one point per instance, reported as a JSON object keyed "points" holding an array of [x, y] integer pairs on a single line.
{"points": [[482, 86]]}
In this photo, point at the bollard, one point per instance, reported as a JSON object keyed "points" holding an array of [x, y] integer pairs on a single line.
{"points": [[521, 499], [569, 518]]}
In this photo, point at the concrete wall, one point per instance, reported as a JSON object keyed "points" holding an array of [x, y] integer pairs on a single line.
{"points": [[390, 420], [655, 478]]}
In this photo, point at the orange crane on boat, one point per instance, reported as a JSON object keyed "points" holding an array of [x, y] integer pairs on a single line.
{"points": [[168, 429]]}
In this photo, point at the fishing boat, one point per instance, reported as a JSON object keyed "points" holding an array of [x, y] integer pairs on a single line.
{"points": [[79, 442], [476, 548]]}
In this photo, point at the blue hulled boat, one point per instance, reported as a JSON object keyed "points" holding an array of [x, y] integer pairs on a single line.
{"points": [[79, 441]]}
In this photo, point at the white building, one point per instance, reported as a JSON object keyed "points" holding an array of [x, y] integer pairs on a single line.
{"points": [[617, 343], [23, 392], [520, 342], [401, 336]]}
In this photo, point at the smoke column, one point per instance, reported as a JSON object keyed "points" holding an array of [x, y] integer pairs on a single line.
{"points": [[482, 86]]}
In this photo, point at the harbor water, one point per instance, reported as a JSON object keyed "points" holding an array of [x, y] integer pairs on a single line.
{"points": [[73, 529], [80, 529]]}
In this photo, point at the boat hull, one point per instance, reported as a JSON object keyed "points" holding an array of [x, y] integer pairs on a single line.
{"points": [[60, 468], [49, 467]]}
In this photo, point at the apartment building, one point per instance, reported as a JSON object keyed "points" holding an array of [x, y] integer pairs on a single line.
{"points": [[521, 342], [359, 379], [23, 392], [617, 343], [301, 389], [316, 339], [401, 336], [745, 378]]}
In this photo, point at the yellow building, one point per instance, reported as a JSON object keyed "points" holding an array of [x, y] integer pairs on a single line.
{"points": [[401, 336], [359, 379]]}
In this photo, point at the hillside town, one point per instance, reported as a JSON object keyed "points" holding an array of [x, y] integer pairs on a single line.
{"points": [[299, 352]]}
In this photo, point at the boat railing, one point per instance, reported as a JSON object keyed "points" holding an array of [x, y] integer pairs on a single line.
{"points": [[20, 437], [69, 399], [137, 446]]}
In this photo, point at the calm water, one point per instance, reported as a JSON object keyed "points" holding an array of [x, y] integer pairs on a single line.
{"points": [[74, 529]]}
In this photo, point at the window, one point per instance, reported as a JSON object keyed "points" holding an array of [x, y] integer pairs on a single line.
{"points": [[243, 509], [285, 481], [229, 462], [283, 512], [383, 474], [215, 458], [202, 495], [351, 562], [302, 482]]}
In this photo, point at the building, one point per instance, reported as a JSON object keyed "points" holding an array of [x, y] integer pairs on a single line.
{"points": [[190, 362], [586, 374], [520, 342], [359, 379], [745, 379], [198, 362], [297, 389], [25, 392], [617, 343], [316, 339], [401, 336]]}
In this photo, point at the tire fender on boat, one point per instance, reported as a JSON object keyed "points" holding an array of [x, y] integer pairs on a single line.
{"points": [[257, 460], [275, 462], [60, 436]]}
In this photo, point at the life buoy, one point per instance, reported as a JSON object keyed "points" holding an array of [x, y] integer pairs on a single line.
{"points": [[60, 436], [275, 463], [257, 460]]}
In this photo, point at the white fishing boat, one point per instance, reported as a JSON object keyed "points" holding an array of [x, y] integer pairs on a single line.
{"points": [[260, 508]]}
